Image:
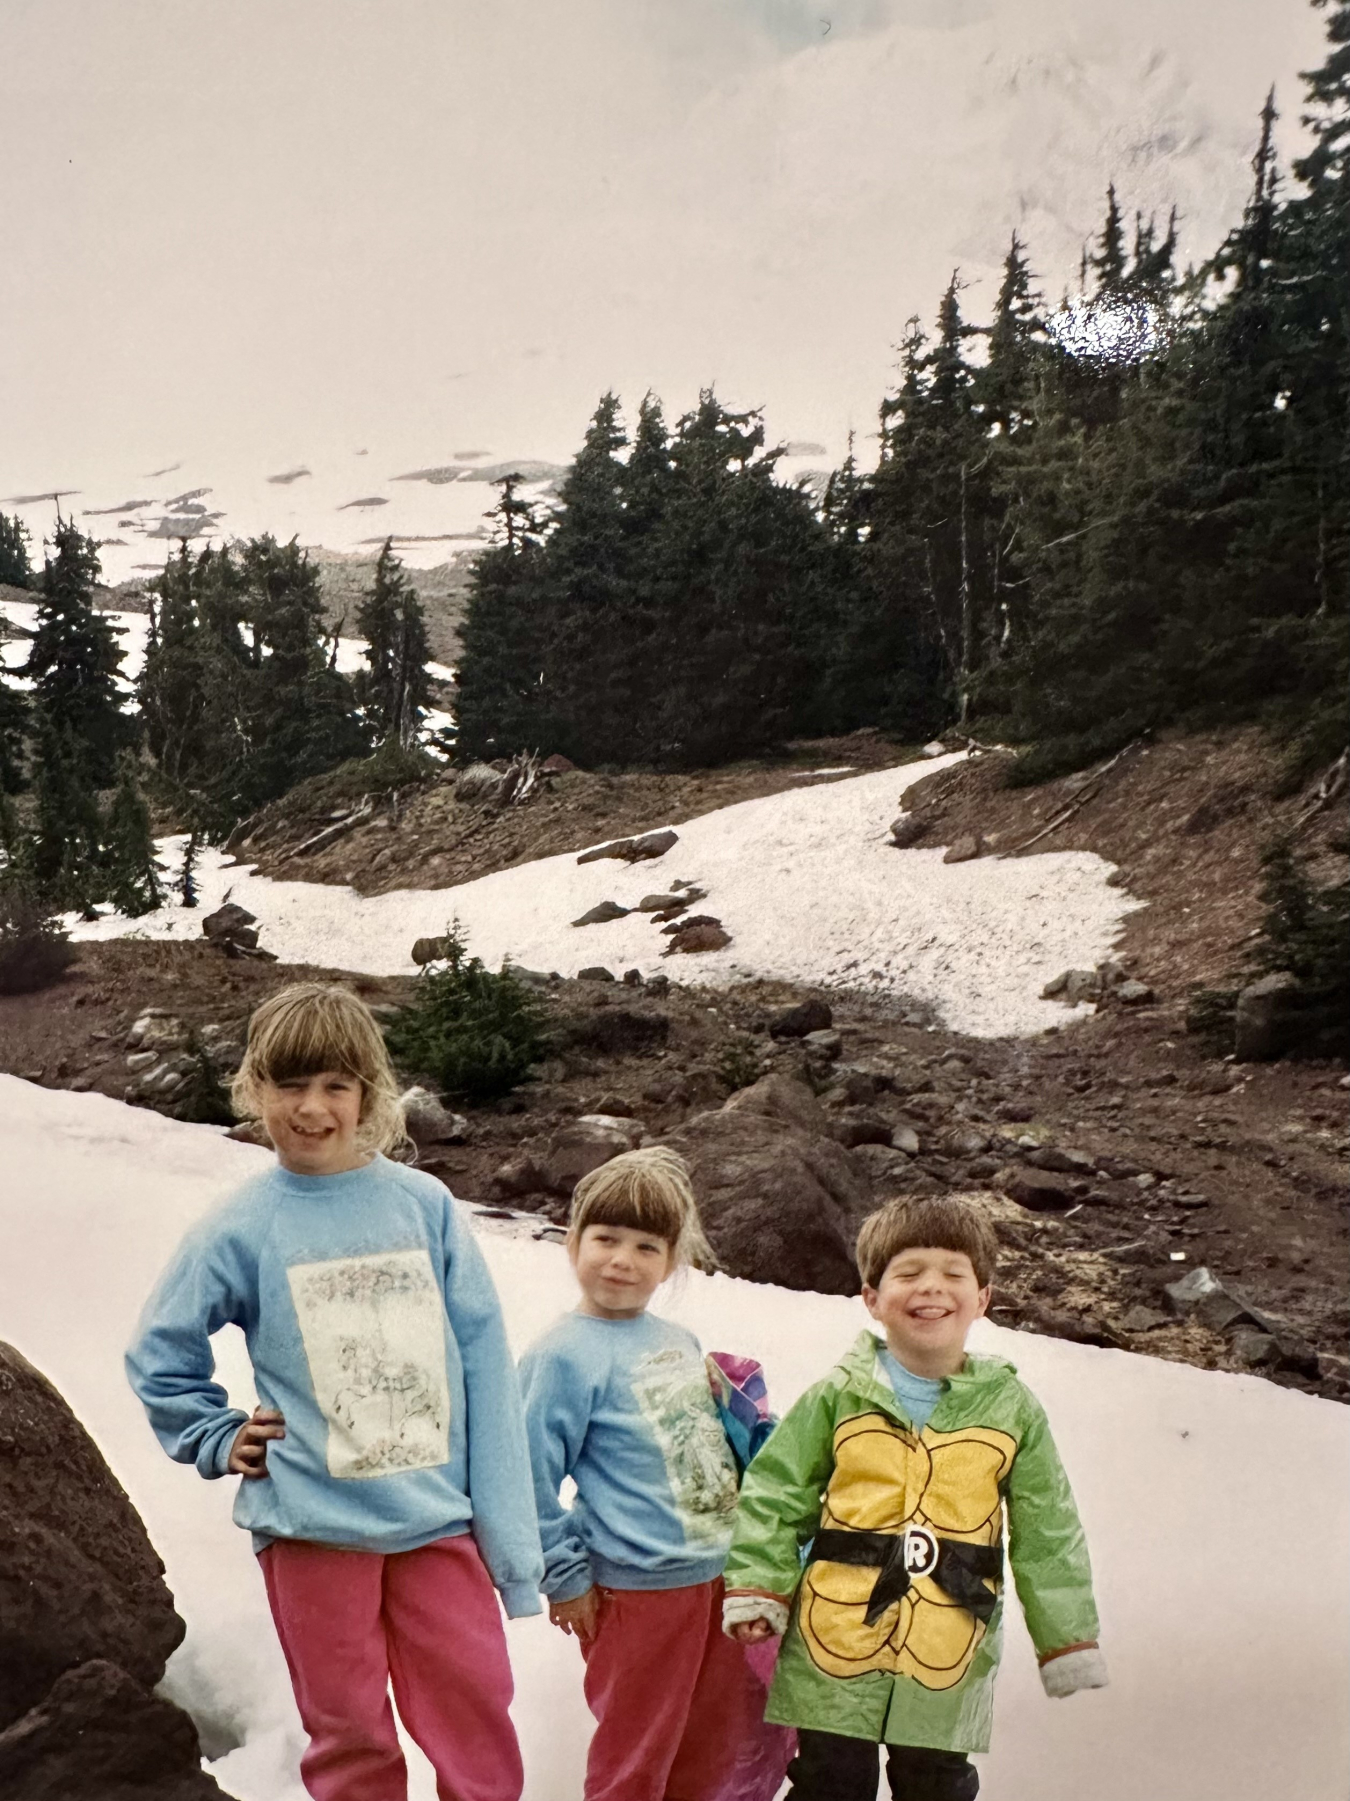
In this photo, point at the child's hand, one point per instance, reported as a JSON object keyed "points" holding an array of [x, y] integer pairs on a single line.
{"points": [[248, 1453], [580, 1617], [751, 1632]]}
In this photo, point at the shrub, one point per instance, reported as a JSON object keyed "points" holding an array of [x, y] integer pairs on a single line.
{"points": [[34, 950], [472, 1033]]}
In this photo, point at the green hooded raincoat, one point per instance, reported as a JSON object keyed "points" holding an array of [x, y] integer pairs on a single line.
{"points": [[900, 1524]]}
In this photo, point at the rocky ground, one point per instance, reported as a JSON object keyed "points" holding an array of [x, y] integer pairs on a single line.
{"points": [[1117, 1158]]}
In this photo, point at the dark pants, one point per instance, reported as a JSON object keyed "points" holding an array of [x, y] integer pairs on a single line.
{"points": [[830, 1767]]}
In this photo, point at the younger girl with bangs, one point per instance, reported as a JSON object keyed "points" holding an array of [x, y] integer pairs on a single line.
{"points": [[385, 1476], [619, 1401]]}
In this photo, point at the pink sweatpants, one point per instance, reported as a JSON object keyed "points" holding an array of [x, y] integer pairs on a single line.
{"points": [[350, 1622], [672, 1696]]}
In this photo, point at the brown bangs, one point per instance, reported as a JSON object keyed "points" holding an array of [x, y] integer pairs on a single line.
{"points": [[947, 1222]]}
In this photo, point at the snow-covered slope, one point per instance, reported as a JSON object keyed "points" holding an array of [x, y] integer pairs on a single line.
{"points": [[807, 882], [1216, 1505]]}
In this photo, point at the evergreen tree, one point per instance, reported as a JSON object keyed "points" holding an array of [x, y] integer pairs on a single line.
{"points": [[187, 874], [394, 690], [173, 685], [15, 569], [64, 853], [132, 875], [14, 722], [501, 704], [73, 659]]}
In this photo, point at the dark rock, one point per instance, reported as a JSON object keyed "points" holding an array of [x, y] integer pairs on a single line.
{"points": [[852, 1087], [1014, 1112], [1119, 1169], [583, 1146], [694, 919], [826, 1045], [602, 914], [965, 849], [1068, 1163], [1142, 1319], [633, 850], [632, 978], [858, 1126], [695, 937], [1133, 994], [228, 920], [98, 1735], [658, 986], [1078, 1329], [1267, 1021], [1072, 986], [963, 1141], [595, 972], [520, 1174], [1039, 1191], [617, 1030], [780, 1098], [659, 903], [556, 765], [79, 1579], [1254, 1349], [1199, 1294], [908, 829], [883, 1163], [796, 1022], [779, 1204]]}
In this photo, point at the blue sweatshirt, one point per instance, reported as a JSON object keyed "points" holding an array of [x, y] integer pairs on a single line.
{"points": [[374, 1329], [918, 1395], [623, 1407]]}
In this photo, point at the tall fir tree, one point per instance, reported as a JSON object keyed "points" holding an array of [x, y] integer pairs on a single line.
{"points": [[501, 704], [131, 873], [16, 571], [74, 658], [393, 691], [14, 727]]}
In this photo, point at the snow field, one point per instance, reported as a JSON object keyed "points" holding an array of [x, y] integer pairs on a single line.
{"points": [[1215, 1504], [807, 882]]}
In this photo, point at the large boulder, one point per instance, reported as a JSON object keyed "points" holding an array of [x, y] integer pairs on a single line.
{"points": [[575, 1150], [617, 1031], [79, 1578], [98, 1736], [807, 1016], [1267, 1022], [429, 1121], [781, 1202]]}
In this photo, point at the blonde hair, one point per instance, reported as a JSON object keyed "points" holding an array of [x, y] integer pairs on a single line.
{"points": [[945, 1222], [316, 1026], [649, 1191]]}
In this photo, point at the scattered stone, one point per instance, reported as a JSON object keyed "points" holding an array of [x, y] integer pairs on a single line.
{"points": [[697, 936], [798, 1022], [479, 785], [602, 914], [632, 978], [617, 1030], [612, 1104], [1119, 1169], [1267, 1020], [908, 829], [1254, 1349], [533, 978], [595, 972], [1146, 1181], [633, 850], [852, 1087], [139, 1060], [1068, 1163], [557, 765], [1199, 1294], [519, 1175], [936, 749], [157, 1032], [1039, 1191], [905, 1139], [827, 1045], [250, 1131], [1142, 1319], [231, 930], [963, 1141], [858, 1126], [429, 1122], [430, 950], [1073, 986], [1190, 1200], [1014, 1112], [658, 986], [1133, 994], [694, 919], [882, 1162], [583, 1146], [780, 1098], [658, 903], [965, 849]]}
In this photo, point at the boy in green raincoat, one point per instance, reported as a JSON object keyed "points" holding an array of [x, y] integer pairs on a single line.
{"points": [[896, 1471]]}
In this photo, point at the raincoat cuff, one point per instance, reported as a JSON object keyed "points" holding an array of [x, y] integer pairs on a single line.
{"points": [[1064, 1675], [740, 1610]]}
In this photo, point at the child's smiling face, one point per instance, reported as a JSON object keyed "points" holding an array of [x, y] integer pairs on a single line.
{"points": [[927, 1300], [312, 1121], [619, 1269]]}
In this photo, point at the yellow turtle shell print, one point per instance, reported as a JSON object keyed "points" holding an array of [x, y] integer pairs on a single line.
{"points": [[935, 1485]]}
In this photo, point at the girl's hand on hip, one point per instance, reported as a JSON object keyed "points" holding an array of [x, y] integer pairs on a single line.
{"points": [[248, 1453]]}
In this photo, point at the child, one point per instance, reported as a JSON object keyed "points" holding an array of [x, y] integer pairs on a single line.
{"points": [[895, 1470], [387, 1464], [620, 1402]]}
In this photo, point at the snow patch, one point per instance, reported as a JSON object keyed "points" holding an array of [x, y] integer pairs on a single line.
{"points": [[1225, 1687]]}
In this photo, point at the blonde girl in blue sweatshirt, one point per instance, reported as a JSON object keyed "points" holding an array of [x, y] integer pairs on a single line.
{"points": [[385, 1476], [619, 1401]]}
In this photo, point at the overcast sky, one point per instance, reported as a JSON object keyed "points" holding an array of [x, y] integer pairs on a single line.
{"points": [[258, 229]]}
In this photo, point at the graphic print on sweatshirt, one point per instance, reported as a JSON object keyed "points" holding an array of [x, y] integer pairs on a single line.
{"points": [[374, 1335], [671, 1390]]}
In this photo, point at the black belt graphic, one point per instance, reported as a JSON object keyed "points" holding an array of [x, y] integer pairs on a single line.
{"points": [[956, 1567]]}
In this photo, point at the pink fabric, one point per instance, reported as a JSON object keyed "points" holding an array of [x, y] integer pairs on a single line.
{"points": [[765, 1751], [350, 1622], [671, 1694]]}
